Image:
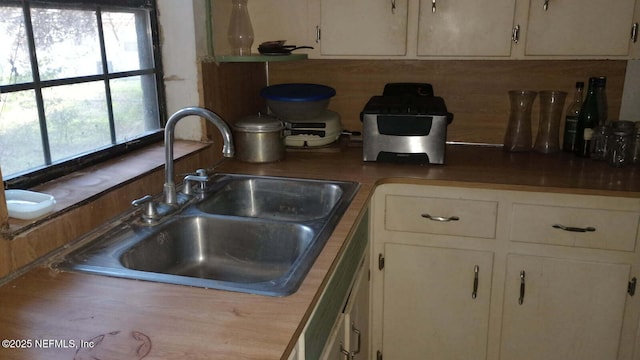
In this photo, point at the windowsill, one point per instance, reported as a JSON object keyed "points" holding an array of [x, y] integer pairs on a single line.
{"points": [[84, 186]]}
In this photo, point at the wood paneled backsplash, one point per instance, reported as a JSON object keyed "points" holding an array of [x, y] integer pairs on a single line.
{"points": [[475, 91]]}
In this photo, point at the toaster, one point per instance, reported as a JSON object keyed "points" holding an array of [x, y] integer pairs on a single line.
{"points": [[406, 126]]}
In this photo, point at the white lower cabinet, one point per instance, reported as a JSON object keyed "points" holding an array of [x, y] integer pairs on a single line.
{"points": [[426, 291], [338, 328], [335, 343], [545, 276], [563, 309], [350, 334]]}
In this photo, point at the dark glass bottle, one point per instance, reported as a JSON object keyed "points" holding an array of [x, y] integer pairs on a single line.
{"points": [[601, 95], [571, 119], [601, 132], [587, 120]]}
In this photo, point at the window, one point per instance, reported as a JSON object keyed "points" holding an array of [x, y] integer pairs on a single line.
{"points": [[80, 82]]}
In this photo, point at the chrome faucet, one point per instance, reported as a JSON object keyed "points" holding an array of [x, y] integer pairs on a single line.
{"points": [[170, 196]]}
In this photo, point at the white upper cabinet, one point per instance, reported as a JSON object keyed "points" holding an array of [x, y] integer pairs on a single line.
{"points": [[443, 29], [579, 28], [465, 28], [363, 27]]}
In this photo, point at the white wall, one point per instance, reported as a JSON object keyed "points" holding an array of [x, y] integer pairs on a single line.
{"points": [[178, 34]]}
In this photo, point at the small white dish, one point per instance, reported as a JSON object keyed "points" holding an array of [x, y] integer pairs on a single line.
{"points": [[27, 205]]}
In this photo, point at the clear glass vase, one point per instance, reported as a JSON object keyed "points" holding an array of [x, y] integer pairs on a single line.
{"points": [[551, 105], [240, 33], [518, 135]]}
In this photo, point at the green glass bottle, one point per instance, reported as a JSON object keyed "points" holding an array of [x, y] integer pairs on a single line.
{"points": [[587, 120], [571, 119]]}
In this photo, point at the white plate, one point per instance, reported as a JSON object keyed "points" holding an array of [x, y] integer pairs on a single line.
{"points": [[27, 205]]}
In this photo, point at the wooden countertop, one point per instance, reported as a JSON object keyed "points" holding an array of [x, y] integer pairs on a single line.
{"points": [[47, 314]]}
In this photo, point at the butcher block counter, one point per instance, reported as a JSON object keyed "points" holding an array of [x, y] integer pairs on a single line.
{"points": [[50, 314]]}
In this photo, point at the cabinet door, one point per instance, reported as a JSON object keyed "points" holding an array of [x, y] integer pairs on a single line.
{"points": [[430, 309], [569, 309], [579, 27], [465, 27], [335, 342], [357, 316], [363, 27], [351, 332]]}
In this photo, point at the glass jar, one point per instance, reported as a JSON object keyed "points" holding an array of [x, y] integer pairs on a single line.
{"points": [[635, 151], [619, 148], [599, 145], [623, 125]]}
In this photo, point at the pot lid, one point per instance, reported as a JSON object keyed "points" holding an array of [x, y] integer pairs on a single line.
{"points": [[259, 123], [297, 92]]}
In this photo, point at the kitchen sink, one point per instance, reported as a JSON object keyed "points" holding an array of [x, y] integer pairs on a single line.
{"points": [[251, 234], [233, 250], [278, 199]]}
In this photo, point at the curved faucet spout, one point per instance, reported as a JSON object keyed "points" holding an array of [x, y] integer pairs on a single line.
{"points": [[169, 129]]}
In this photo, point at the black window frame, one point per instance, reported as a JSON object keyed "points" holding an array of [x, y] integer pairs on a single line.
{"points": [[53, 170]]}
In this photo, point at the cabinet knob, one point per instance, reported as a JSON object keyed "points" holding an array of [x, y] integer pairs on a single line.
{"points": [[433, 6], [545, 6], [634, 33]]}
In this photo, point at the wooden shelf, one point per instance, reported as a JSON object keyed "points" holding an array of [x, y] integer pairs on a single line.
{"points": [[260, 58]]}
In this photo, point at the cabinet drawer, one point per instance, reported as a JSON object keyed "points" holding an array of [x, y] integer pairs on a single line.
{"points": [[613, 229], [475, 218]]}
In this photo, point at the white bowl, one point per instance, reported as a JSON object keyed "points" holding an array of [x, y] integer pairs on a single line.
{"points": [[27, 205]]}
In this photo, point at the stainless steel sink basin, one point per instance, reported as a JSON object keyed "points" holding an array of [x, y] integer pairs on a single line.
{"points": [[278, 199], [245, 234], [230, 250]]}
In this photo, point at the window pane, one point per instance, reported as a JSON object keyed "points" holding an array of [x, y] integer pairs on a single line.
{"points": [[67, 43], [135, 106], [52, 110], [77, 119], [20, 141], [127, 49], [14, 52]]}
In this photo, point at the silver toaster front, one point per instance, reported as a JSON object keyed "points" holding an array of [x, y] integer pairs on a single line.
{"points": [[417, 138]]}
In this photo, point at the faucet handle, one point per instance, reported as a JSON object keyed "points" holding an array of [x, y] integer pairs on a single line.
{"points": [[200, 177], [150, 211]]}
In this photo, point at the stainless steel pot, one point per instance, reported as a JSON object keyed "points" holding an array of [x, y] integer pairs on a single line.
{"points": [[259, 139]]}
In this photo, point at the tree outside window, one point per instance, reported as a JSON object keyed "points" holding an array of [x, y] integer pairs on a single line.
{"points": [[77, 82]]}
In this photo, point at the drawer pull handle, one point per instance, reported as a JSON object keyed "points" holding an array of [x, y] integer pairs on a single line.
{"points": [[522, 285], [440, 218], [476, 271], [574, 229]]}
